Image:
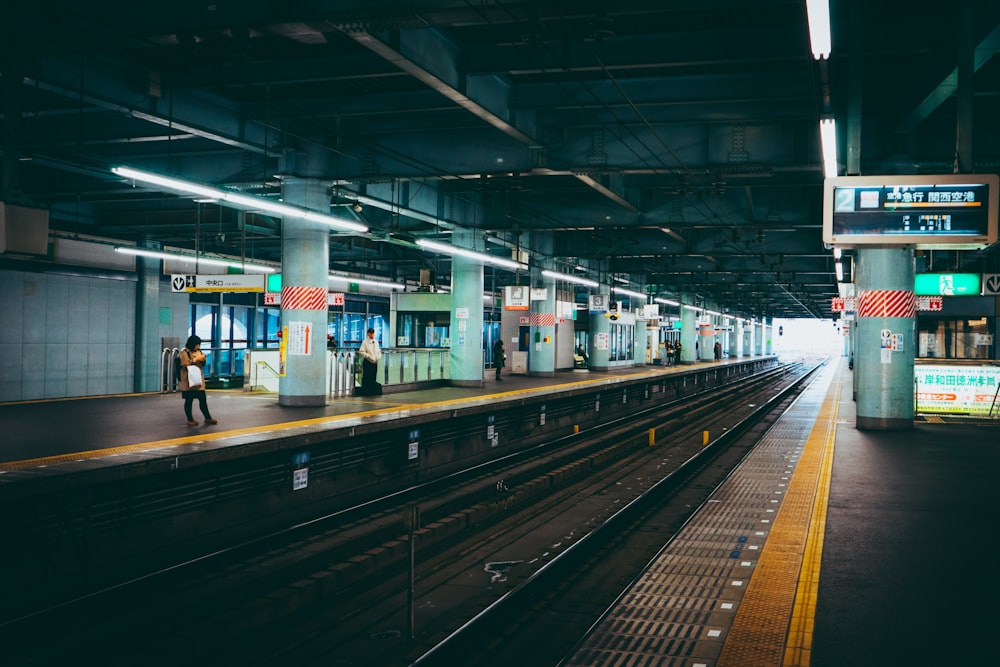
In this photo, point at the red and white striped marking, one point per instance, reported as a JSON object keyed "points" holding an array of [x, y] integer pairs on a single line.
{"points": [[543, 319], [887, 303], [303, 298]]}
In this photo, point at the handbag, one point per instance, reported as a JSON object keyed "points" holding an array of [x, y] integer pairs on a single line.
{"points": [[195, 379]]}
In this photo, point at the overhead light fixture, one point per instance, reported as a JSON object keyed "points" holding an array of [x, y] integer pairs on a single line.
{"points": [[621, 280], [667, 302], [626, 292], [828, 137], [236, 199], [363, 281], [212, 261], [448, 249], [396, 208], [570, 278], [694, 308], [818, 12]]}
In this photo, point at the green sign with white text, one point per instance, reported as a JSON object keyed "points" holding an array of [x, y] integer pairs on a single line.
{"points": [[947, 284]]}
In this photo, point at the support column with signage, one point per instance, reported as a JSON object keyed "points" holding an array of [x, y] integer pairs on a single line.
{"points": [[706, 337], [466, 353], [305, 283], [885, 218], [886, 317], [599, 348], [542, 314]]}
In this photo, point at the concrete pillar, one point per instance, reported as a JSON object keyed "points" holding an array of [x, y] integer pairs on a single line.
{"points": [[600, 329], [689, 333], [305, 284], [639, 348], [733, 337], [706, 338], [542, 358], [747, 338], [147, 325], [466, 354], [768, 336], [886, 316]]}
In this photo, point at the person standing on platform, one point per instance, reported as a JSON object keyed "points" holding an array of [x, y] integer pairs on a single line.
{"points": [[677, 353], [499, 357], [370, 355], [192, 357]]}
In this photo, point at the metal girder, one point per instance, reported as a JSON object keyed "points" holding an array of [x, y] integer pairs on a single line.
{"points": [[984, 51]]}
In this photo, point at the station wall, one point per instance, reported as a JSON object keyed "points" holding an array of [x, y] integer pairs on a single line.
{"points": [[72, 334]]}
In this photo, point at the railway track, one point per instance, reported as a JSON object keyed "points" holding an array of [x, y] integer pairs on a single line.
{"points": [[336, 589]]}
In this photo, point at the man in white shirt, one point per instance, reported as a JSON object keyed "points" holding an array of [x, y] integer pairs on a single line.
{"points": [[370, 355]]}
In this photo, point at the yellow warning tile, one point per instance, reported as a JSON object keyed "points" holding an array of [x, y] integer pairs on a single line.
{"points": [[780, 600]]}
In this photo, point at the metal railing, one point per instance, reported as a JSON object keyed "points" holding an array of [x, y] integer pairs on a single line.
{"points": [[342, 372], [398, 366], [168, 377]]}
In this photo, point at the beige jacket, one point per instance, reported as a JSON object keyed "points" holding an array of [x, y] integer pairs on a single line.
{"points": [[187, 359]]}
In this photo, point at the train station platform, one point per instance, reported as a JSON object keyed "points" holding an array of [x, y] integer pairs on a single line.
{"points": [[829, 546], [82, 433]]}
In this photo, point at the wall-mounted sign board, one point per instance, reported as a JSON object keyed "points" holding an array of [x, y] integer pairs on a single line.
{"points": [[949, 211]]}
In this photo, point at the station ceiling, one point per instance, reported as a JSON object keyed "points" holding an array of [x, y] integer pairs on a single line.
{"points": [[671, 144]]}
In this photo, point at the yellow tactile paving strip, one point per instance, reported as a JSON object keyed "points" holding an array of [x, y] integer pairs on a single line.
{"points": [[682, 612], [780, 600]]}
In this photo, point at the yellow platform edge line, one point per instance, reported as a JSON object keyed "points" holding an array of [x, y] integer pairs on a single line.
{"points": [[139, 447], [764, 631], [798, 646]]}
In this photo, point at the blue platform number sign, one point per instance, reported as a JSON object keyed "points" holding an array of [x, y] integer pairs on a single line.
{"points": [[541, 415], [300, 474], [413, 448]]}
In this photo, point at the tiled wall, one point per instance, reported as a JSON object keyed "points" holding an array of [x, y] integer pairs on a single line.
{"points": [[65, 335]]}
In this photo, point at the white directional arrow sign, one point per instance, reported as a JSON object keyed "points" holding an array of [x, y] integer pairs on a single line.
{"points": [[991, 283]]}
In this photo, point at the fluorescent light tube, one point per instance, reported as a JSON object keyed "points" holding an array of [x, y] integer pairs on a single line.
{"points": [[637, 295], [213, 261], [236, 199], [819, 28], [666, 302], [569, 278], [828, 137], [363, 281], [448, 249]]}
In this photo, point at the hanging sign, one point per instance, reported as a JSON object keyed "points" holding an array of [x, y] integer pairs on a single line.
{"points": [[217, 283], [516, 297]]}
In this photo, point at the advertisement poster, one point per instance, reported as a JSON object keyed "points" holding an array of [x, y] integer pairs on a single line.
{"points": [[965, 390]]}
